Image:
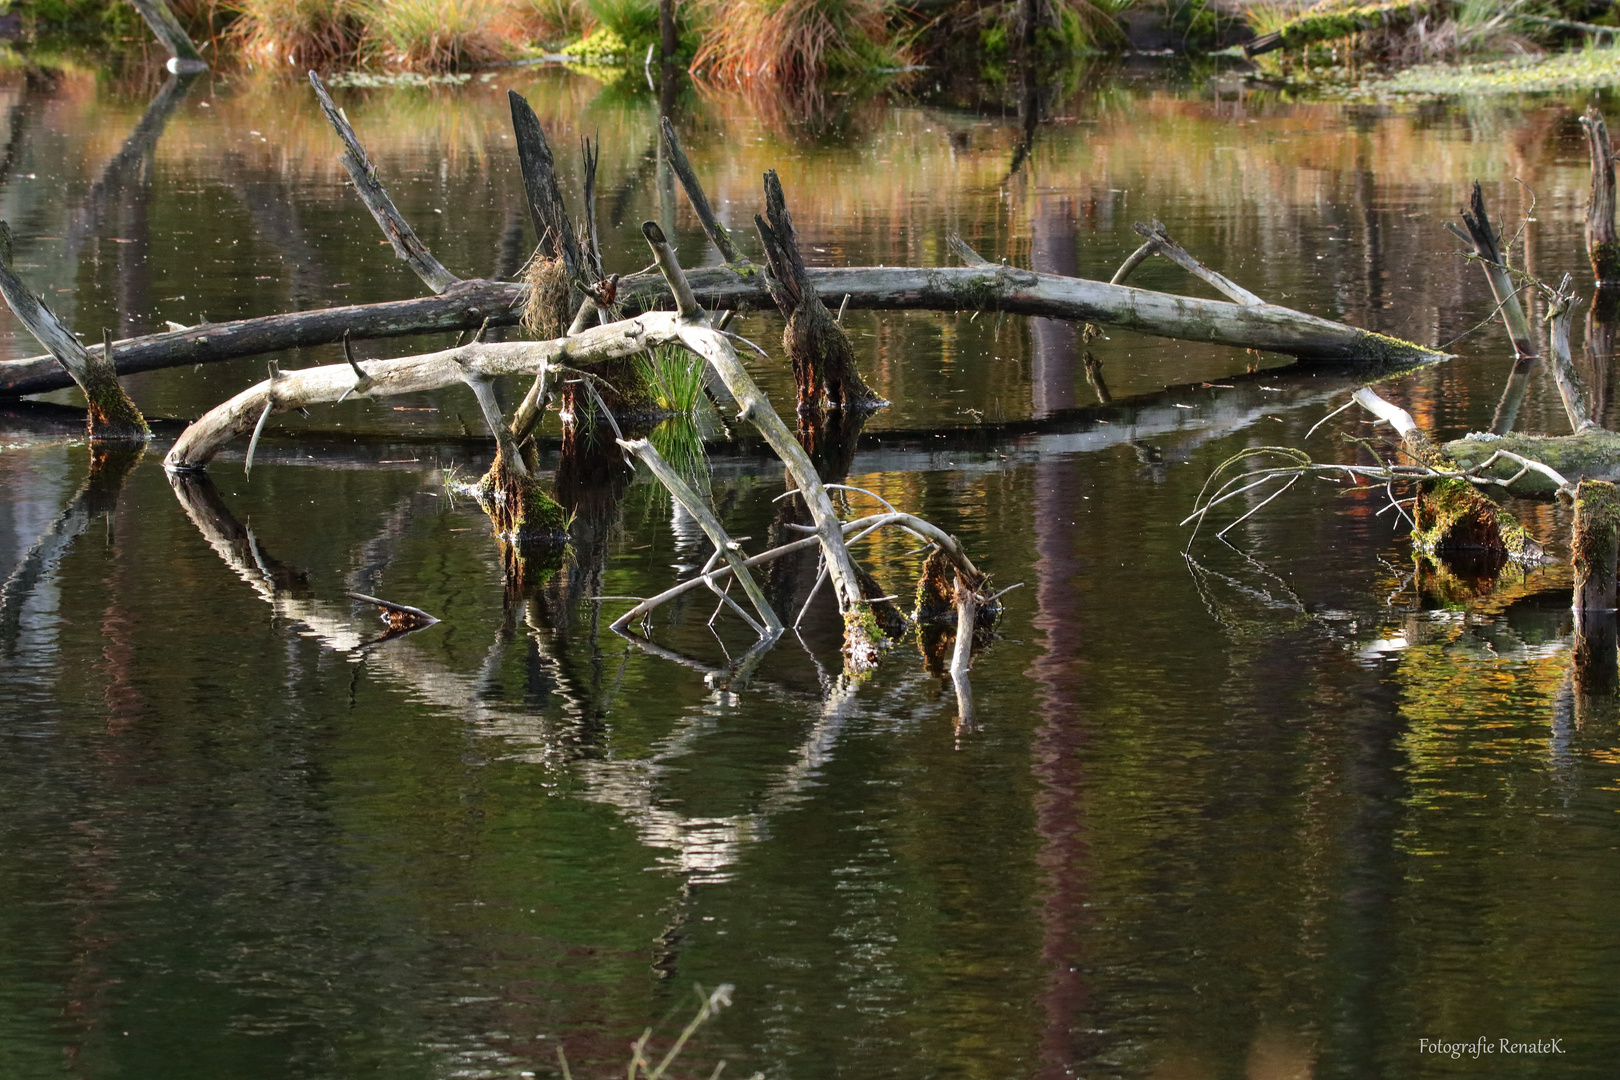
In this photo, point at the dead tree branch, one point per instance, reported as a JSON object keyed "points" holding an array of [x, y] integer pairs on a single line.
{"points": [[712, 228], [407, 246], [111, 414], [724, 546], [183, 55], [991, 287]]}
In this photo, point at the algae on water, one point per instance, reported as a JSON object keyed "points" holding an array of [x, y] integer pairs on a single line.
{"points": [[1582, 69]]}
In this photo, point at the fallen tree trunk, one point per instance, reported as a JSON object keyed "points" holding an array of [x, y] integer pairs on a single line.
{"points": [[466, 305], [1594, 454], [412, 374], [1329, 23]]}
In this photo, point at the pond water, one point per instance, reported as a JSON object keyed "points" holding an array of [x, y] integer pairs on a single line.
{"points": [[1273, 810]]}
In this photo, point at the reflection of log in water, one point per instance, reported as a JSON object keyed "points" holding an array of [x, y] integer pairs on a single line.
{"points": [[110, 466]]}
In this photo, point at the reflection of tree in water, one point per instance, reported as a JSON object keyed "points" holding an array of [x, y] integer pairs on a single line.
{"points": [[695, 849], [110, 466]]}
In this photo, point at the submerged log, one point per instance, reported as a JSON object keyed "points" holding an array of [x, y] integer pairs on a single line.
{"points": [[466, 305], [1592, 455], [1329, 22], [111, 414]]}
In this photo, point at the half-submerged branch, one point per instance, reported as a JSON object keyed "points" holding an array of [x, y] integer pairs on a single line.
{"points": [[111, 414], [1451, 516], [407, 245], [712, 228], [183, 55]]}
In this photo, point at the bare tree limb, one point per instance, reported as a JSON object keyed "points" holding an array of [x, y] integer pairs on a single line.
{"points": [[407, 246]]}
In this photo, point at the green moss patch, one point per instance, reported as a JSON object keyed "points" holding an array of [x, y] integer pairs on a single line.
{"points": [[1584, 69]]}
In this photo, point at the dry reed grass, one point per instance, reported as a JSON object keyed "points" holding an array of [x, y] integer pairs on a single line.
{"points": [[300, 33], [436, 35], [545, 309], [795, 41], [421, 35]]}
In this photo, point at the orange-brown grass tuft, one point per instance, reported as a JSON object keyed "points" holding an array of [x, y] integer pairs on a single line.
{"points": [[437, 35], [792, 41], [300, 33]]}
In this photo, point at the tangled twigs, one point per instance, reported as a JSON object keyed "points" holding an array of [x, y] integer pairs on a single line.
{"points": [[1450, 513]]}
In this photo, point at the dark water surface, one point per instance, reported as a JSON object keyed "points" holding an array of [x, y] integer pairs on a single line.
{"points": [[1274, 812]]}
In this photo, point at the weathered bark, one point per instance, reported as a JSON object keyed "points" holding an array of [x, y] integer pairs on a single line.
{"points": [[668, 41], [554, 230], [1595, 547], [463, 307], [411, 374], [712, 228], [1159, 243], [821, 353], [183, 54], [1602, 319], [111, 414], [1571, 389], [468, 304], [1601, 245], [407, 245], [1451, 517]]}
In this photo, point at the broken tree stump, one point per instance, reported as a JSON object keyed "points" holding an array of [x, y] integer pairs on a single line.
{"points": [[1595, 552], [111, 414], [1595, 548], [1451, 516], [823, 358], [1602, 248]]}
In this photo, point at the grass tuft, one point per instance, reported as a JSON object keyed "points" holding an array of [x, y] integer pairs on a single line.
{"points": [[435, 35], [796, 41], [301, 33]]}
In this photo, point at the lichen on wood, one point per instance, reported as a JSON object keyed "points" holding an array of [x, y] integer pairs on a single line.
{"points": [[1595, 546], [1592, 455]]}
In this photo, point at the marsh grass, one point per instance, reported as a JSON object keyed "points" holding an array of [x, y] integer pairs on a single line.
{"points": [[794, 41], [300, 33], [676, 378], [436, 35]]}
